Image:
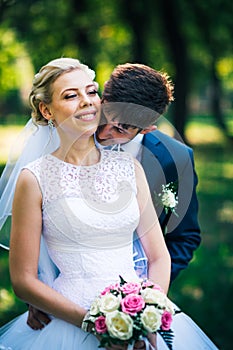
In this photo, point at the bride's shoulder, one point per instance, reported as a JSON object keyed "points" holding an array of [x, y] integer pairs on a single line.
{"points": [[36, 166], [39, 161]]}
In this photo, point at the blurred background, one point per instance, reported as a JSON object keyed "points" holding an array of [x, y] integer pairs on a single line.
{"points": [[192, 42]]}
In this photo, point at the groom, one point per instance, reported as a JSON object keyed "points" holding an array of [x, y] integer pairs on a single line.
{"points": [[133, 99]]}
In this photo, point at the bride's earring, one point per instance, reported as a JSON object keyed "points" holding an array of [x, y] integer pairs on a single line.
{"points": [[51, 129], [50, 124]]}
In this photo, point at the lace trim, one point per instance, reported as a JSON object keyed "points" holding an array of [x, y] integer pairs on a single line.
{"points": [[99, 183]]}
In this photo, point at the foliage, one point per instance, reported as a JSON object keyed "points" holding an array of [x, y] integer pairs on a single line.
{"points": [[15, 73], [225, 69], [88, 30], [13, 61], [197, 288], [105, 33]]}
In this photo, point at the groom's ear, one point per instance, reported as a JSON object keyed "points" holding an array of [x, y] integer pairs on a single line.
{"points": [[44, 110], [148, 129]]}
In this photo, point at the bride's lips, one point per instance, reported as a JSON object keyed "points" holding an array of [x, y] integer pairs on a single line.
{"points": [[87, 116]]}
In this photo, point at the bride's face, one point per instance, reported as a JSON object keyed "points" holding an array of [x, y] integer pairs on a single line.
{"points": [[75, 105]]}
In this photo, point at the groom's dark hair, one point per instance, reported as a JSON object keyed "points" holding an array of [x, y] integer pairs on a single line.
{"points": [[139, 84]]}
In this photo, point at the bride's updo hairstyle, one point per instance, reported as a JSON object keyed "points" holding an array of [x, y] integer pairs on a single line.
{"points": [[41, 89]]}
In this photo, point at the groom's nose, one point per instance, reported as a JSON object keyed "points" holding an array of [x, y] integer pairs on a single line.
{"points": [[105, 132]]}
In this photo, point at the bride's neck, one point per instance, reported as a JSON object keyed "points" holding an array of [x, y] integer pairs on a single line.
{"points": [[80, 152]]}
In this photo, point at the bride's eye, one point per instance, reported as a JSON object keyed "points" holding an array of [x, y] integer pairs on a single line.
{"points": [[70, 96], [93, 92]]}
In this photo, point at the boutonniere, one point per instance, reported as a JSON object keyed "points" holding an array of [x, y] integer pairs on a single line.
{"points": [[168, 197]]}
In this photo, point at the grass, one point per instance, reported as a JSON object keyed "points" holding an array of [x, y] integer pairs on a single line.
{"points": [[204, 290]]}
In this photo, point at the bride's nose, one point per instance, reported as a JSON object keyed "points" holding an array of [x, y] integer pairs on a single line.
{"points": [[85, 100]]}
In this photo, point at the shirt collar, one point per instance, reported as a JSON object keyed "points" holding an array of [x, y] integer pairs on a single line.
{"points": [[98, 145], [133, 146]]}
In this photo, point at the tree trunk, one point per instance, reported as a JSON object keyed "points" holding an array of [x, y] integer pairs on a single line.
{"points": [[86, 54], [136, 15], [3, 7], [204, 23], [177, 45], [215, 100]]}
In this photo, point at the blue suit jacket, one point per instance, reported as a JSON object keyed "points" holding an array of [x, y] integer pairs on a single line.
{"points": [[165, 160]]}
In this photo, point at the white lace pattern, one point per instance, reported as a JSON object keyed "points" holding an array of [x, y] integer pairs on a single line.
{"points": [[89, 216]]}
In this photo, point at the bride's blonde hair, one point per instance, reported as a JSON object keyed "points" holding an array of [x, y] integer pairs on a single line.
{"points": [[41, 88]]}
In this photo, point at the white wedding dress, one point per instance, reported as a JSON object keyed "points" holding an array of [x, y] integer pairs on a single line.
{"points": [[89, 216]]}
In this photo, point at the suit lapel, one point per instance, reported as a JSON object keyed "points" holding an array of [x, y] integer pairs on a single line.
{"points": [[152, 162]]}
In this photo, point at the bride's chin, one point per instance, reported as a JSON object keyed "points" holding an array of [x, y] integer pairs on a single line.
{"points": [[89, 131]]}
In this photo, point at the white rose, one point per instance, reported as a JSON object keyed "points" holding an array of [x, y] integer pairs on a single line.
{"points": [[109, 302], [154, 296], [119, 325], [170, 306], [94, 309], [169, 199], [151, 318]]}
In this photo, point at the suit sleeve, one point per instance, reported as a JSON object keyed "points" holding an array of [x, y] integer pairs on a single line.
{"points": [[183, 235]]}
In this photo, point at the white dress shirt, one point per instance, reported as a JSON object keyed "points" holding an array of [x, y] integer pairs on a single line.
{"points": [[134, 146]]}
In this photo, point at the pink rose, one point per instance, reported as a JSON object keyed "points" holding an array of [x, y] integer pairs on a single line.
{"points": [[157, 287], [166, 321], [131, 288], [132, 304], [100, 325], [148, 284], [109, 288]]}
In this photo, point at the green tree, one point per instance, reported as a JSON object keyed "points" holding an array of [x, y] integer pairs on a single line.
{"points": [[15, 74], [214, 23], [168, 35]]}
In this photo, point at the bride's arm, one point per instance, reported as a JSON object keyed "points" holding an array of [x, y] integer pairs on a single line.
{"points": [[24, 254], [150, 234]]}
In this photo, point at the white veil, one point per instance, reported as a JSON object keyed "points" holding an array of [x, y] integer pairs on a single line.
{"points": [[33, 142]]}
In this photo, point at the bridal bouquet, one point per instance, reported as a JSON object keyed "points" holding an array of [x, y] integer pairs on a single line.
{"points": [[128, 311]]}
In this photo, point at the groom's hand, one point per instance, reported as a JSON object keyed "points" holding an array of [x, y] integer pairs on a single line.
{"points": [[36, 318]]}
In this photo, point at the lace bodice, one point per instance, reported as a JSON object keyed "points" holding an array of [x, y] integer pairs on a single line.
{"points": [[89, 216]]}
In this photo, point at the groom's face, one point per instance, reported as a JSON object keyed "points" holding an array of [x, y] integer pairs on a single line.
{"points": [[114, 128], [112, 132]]}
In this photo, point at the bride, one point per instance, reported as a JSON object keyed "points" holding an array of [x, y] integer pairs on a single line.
{"points": [[87, 204]]}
